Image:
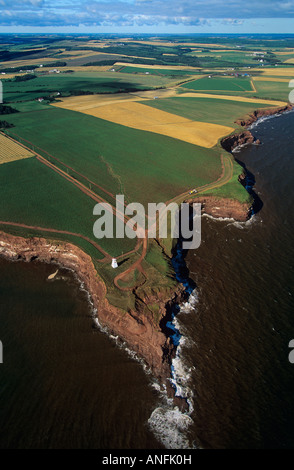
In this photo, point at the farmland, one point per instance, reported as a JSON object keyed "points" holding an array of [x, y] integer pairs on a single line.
{"points": [[101, 116], [220, 84], [137, 116]]}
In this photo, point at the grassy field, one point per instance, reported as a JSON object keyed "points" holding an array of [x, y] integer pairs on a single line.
{"points": [[158, 72], [44, 199], [220, 84], [272, 89]]}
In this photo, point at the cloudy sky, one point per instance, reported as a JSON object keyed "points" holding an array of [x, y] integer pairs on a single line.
{"points": [[147, 16]]}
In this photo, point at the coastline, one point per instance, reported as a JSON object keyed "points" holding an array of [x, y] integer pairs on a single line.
{"points": [[137, 329]]}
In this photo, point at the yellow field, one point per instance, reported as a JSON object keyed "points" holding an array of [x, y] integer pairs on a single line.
{"points": [[276, 72], [104, 68], [271, 79], [88, 102], [138, 116], [290, 51], [233, 98], [289, 61], [11, 152], [156, 67], [26, 62]]}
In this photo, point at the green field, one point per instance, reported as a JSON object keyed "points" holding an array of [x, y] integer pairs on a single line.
{"points": [[206, 109], [220, 84], [117, 157], [44, 199], [272, 90]]}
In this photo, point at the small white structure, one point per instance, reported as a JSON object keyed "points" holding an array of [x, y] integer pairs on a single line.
{"points": [[114, 264]]}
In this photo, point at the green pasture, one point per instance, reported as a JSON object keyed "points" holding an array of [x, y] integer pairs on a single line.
{"points": [[158, 72], [242, 84], [272, 90], [232, 190], [34, 195]]}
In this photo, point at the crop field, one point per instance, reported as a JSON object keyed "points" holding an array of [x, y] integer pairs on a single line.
{"points": [[220, 84], [206, 109], [276, 72], [11, 152], [42, 198], [238, 99], [172, 68], [138, 116], [117, 157], [273, 90]]}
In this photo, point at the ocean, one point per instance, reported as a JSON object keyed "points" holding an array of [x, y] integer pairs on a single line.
{"points": [[66, 384]]}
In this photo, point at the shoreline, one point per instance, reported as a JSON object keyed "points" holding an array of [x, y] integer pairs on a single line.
{"points": [[135, 328]]}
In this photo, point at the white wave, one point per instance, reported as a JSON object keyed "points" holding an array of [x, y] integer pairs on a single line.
{"points": [[167, 422], [266, 118], [190, 305], [170, 426], [219, 219]]}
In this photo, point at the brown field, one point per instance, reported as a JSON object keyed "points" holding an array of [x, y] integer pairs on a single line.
{"points": [[137, 116], [11, 152]]}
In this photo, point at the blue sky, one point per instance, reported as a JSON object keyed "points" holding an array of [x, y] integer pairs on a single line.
{"points": [[147, 16]]}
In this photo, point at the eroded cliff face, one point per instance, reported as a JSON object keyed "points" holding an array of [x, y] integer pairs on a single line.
{"points": [[253, 117], [236, 140], [224, 208], [137, 329]]}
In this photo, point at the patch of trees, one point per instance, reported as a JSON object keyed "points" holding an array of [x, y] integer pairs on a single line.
{"points": [[56, 64], [25, 78], [9, 55], [102, 63], [7, 110], [5, 125]]}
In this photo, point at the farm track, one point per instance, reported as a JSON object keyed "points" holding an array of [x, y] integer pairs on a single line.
{"points": [[64, 164]]}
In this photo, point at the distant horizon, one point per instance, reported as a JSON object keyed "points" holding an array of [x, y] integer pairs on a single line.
{"points": [[147, 16], [132, 34]]}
